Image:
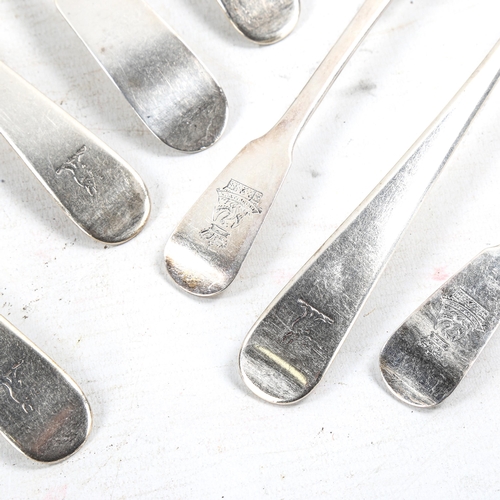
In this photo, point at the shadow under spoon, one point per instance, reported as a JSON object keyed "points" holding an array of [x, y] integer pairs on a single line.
{"points": [[166, 85], [206, 250], [263, 21], [98, 191], [431, 352], [43, 413], [293, 343]]}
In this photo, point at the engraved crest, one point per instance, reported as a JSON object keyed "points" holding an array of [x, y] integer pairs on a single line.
{"points": [[458, 319], [235, 201], [303, 325], [82, 175], [14, 387], [460, 315]]}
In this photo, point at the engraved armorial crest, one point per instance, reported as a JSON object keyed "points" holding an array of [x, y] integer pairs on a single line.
{"points": [[82, 175], [303, 325], [459, 316], [235, 201], [14, 387]]}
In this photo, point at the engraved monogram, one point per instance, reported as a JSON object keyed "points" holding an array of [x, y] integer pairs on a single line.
{"points": [[302, 326], [82, 175], [14, 386], [235, 201]]}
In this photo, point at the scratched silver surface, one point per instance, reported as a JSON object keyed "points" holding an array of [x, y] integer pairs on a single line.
{"points": [[206, 250], [293, 343], [431, 352], [43, 413], [167, 86], [95, 187], [263, 21]]}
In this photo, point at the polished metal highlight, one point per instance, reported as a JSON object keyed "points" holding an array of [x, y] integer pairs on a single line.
{"points": [[293, 343], [263, 21], [208, 247], [43, 413], [166, 85], [432, 351], [99, 192]]}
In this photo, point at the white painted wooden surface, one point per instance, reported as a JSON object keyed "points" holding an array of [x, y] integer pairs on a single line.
{"points": [[172, 417]]}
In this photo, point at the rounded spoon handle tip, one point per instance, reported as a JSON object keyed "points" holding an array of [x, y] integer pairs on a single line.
{"points": [[43, 413], [167, 86], [424, 361], [98, 191]]}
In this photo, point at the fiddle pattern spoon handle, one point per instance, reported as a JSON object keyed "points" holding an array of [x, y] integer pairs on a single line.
{"points": [[206, 250], [293, 343], [431, 352]]}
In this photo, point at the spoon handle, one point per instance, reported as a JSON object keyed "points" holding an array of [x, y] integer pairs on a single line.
{"points": [[327, 72], [98, 191], [206, 250], [166, 85], [293, 343], [43, 413], [431, 352]]}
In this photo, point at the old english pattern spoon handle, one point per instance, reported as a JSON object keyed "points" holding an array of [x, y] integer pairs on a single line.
{"points": [[293, 343], [43, 413], [263, 21], [166, 85], [100, 193], [207, 248], [432, 351]]}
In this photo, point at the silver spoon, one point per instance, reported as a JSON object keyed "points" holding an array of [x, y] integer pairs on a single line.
{"points": [[166, 85], [293, 343], [43, 413], [431, 352], [263, 21], [206, 250], [98, 191]]}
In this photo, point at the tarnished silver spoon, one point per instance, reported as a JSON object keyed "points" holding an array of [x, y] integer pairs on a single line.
{"points": [[263, 21], [166, 85], [293, 343], [98, 191], [206, 250], [431, 352], [43, 413]]}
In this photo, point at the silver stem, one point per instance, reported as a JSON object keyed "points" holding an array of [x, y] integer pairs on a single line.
{"points": [[328, 71]]}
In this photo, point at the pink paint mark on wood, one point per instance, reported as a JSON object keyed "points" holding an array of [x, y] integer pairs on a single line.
{"points": [[440, 274]]}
